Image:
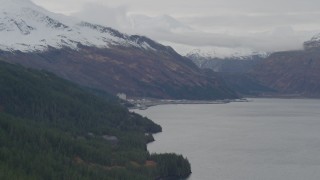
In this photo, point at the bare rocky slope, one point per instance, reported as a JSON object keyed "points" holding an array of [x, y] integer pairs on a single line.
{"points": [[293, 72]]}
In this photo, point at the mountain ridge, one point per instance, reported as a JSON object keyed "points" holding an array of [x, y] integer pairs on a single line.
{"points": [[102, 58], [27, 27]]}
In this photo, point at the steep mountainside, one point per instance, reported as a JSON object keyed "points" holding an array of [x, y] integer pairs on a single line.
{"points": [[293, 72], [134, 72], [100, 57]]}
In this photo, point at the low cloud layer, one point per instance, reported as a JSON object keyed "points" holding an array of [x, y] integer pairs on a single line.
{"points": [[258, 24]]}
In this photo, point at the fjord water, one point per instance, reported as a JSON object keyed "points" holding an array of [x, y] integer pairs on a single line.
{"points": [[264, 139]]}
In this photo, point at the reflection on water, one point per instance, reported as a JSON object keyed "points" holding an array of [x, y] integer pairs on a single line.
{"points": [[266, 139]]}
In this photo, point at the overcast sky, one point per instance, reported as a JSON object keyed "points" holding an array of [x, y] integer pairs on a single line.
{"points": [[266, 25]]}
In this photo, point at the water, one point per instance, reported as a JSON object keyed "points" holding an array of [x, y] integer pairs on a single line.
{"points": [[266, 139]]}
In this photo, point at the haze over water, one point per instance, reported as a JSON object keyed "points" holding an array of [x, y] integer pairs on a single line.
{"points": [[265, 139]]}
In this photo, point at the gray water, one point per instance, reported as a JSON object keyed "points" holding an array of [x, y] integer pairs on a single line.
{"points": [[266, 139]]}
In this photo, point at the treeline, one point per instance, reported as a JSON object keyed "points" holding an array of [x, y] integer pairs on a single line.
{"points": [[171, 165], [29, 151], [43, 97], [53, 129]]}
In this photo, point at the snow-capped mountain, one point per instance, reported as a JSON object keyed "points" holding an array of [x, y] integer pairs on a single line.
{"points": [[27, 27], [225, 53], [221, 59], [314, 42], [210, 52], [100, 58]]}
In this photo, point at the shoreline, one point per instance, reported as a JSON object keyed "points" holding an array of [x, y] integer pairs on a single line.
{"points": [[143, 104]]}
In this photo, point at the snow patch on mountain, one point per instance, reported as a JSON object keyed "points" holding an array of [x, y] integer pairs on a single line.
{"points": [[314, 42], [210, 52], [27, 27], [316, 37]]}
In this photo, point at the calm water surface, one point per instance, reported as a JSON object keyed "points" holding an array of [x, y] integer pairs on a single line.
{"points": [[265, 139]]}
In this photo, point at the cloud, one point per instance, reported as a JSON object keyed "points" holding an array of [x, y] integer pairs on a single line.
{"points": [[254, 21], [266, 41], [61, 6], [115, 17], [271, 25]]}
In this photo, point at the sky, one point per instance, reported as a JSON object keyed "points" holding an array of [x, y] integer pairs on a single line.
{"points": [[261, 25]]}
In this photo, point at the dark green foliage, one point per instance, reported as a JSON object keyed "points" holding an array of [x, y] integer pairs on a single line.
{"points": [[27, 151], [171, 165], [52, 129], [43, 97]]}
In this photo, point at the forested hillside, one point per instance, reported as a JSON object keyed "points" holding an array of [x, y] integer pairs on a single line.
{"points": [[53, 129]]}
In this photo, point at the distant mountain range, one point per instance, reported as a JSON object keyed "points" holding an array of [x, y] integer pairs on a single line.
{"points": [[232, 64], [290, 73], [100, 57]]}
